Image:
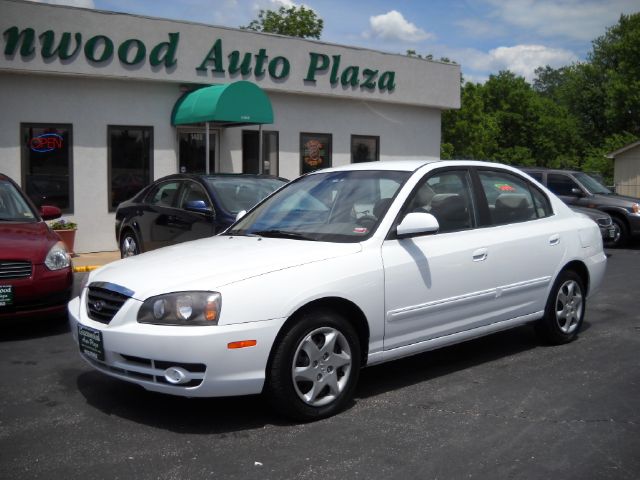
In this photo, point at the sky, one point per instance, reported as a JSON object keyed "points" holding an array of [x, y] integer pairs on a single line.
{"points": [[483, 36]]}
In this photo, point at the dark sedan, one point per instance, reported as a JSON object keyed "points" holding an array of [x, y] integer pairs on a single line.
{"points": [[186, 207], [35, 267]]}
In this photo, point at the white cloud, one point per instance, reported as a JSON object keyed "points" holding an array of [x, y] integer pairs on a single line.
{"points": [[520, 59], [393, 26], [69, 3], [581, 20]]}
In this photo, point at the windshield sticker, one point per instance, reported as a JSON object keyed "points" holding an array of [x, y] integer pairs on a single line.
{"points": [[360, 230], [504, 187]]}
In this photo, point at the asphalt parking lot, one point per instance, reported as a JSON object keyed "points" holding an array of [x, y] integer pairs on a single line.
{"points": [[504, 406]]}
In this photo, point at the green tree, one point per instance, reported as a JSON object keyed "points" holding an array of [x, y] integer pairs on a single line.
{"points": [[470, 132], [616, 56], [293, 21]]}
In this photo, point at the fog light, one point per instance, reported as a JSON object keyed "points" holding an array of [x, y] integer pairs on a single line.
{"points": [[176, 375]]}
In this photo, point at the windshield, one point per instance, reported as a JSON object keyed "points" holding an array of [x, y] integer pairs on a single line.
{"points": [[591, 184], [333, 207], [13, 207], [241, 193]]}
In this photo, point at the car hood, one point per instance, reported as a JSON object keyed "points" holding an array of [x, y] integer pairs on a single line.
{"points": [[26, 241], [213, 262], [615, 200]]}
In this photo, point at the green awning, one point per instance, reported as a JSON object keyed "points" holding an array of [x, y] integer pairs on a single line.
{"points": [[232, 104]]}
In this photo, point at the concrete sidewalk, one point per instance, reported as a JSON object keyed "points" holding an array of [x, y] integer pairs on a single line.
{"points": [[85, 262]]}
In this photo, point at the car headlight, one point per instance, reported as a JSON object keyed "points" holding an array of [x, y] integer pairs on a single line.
{"points": [[58, 257], [182, 308]]}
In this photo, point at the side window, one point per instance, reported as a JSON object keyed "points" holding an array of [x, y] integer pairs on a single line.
{"points": [[536, 175], [194, 192], [164, 194], [560, 184], [447, 196], [510, 198]]}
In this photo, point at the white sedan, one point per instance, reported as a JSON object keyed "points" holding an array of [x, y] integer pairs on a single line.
{"points": [[340, 269]]}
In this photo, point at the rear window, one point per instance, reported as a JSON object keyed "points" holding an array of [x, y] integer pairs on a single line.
{"points": [[235, 194]]}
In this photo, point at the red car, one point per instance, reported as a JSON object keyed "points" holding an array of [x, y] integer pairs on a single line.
{"points": [[35, 266]]}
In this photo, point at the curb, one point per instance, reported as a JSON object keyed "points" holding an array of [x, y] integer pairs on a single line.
{"points": [[85, 268]]}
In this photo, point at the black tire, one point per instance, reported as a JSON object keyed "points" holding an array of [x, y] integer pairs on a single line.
{"points": [[129, 244], [327, 372], [564, 312], [622, 234]]}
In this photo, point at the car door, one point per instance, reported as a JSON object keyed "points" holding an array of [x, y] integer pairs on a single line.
{"points": [[566, 188], [159, 227], [524, 239], [437, 284], [187, 223]]}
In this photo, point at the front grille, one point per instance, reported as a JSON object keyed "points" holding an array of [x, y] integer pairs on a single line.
{"points": [[104, 302], [10, 269], [604, 221]]}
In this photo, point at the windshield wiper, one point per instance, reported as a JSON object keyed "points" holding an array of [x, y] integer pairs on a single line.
{"points": [[282, 234]]}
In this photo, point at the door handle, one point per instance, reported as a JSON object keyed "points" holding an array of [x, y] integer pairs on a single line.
{"points": [[480, 255], [554, 239]]}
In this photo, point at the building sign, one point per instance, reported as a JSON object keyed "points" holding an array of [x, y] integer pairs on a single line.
{"points": [[47, 142], [99, 50]]}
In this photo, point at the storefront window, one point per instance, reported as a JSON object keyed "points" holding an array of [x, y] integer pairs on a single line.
{"points": [[250, 161], [315, 151], [47, 165], [365, 148], [130, 161]]}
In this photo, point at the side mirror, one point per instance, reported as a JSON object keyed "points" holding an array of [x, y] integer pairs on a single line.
{"points": [[576, 192], [240, 214], [49, 212], [417, 223], [198, 206]]}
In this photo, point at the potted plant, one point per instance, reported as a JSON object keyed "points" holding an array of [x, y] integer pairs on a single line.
{"points": [[66, 230]]}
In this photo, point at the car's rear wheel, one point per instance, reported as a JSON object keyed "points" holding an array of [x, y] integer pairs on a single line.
{"points": [[314, 367], [564, 311], [129, 245]]}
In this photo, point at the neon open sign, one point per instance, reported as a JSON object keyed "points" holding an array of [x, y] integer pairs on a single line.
{"points": [[47, 142]]}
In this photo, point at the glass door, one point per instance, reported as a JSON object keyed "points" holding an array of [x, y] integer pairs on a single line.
{"points": [[192, 153]]}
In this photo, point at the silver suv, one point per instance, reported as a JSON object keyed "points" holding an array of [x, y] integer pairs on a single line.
{"points": [[581, 189]]}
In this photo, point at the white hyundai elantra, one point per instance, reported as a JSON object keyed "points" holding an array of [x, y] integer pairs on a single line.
{"points": [[340, 269]]}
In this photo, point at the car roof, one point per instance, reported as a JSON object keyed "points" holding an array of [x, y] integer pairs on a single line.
{"points": [[413, 165], [546, 169], [202, 176]]}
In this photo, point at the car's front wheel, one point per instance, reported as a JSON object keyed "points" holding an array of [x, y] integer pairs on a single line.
{"points": [[621, 236], [129, 244], [314, 367], [564, 311]]}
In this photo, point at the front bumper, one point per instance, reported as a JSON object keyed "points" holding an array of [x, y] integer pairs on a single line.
{"points": [[45, 292], [634, 224], [141, 353]]}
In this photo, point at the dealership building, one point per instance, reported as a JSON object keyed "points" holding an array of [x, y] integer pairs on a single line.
{"points": [[97, 104]]}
